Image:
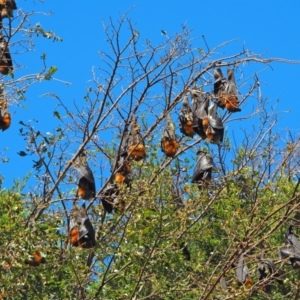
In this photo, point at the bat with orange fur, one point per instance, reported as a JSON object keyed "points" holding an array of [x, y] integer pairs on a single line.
{"points": [[231, 93], [215, 129], [242, 272], [86, 185], [200, 103], [36, 260], [81, 233], [169, 144], [136, 147], [5, 117], [186, 118], [7, 7]]}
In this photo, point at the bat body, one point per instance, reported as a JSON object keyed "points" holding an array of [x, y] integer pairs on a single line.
{"points": [[242, 272], [185, 251], [267, 269], [136, 148], [82, 233], [226, 91], [215, 129], [169, 144], [186, 118], [200, 110], [37, 259], [124, 169], [6, 65], [7, 7], [219, 87], [5, 121], [86, 185], [231, 93], [292, 248], [203, 169], [223, 283]]}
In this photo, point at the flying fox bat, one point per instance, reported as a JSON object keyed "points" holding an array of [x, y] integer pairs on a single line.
{"points": [[291, 249], [36, 260], [186, 118], [219, 87], [82, 233], [7, 7], [215, 129], [86, 185], [203, 169], [136, 148], [199, 109], [169, 144], [242, 272], [267, 269], [231, 93]]}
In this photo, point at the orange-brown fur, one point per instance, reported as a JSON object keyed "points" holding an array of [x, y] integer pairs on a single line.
{"points": [[222, 101], [248, 282], [4, 69], [171, 148], [74, 237], [38, 259], [205, 122], [137, 152], [188, 130], [5, 121], [209, 134], [81, 191], [119, 178], [6, 11], [232, 103]]}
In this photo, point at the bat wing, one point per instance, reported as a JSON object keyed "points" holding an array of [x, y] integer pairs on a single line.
{"points": [[110, 193], [241, 271], [204, 164], [124, 143]]}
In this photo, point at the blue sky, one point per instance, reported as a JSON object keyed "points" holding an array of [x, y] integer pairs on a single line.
{"points": [[270, 27]]}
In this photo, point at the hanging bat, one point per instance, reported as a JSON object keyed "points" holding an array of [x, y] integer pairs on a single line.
{"points": [[36, 260], [267, 269], [107, 197], [86, 185], [242, 272], [292, 248], [7, 7], [6, 65], [5, 120], [124, 169], [223, 283], [124, 142], [136, 148], [215, 129], [82, 233], [231, 93], [169, 144], [203, 169], [219, 87], [185, 251], [199, 109], [5, 117], [186, 118]]}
